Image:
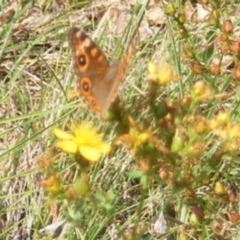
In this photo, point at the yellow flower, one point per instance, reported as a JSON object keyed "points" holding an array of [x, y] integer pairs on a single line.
{"points": [[135, 138], [83, 141], [201, 91], [152, 70], [220, 120], [138, 138], [52, 185], [162, 74]]}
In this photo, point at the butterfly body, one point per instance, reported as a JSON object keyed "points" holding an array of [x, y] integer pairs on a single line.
{"points": [[97, 80]]}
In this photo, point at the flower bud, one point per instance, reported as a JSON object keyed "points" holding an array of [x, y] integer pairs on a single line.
{"points": [[235, 48], [233, 217], [182, 18], [183, 236], [188, 52], [236, 72], [214, 18], [232, 194], [228, 26], [225, 48], [163, 173], [217, 226], [215, 69], [219, 188], [170, 9], [196, 67], [177, 142], [193, 219], [223, 36], [198, 212]]}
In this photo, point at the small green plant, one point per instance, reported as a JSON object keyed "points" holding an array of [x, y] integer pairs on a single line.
{"points": [[181, 144]]}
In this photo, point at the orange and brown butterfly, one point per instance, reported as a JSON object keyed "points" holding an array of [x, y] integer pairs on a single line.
{"points": [[97, 80]]}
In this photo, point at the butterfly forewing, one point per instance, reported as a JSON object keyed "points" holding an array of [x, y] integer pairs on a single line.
{"points": [[97, 80]]}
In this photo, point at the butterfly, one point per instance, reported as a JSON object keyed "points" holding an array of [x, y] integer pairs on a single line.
{"points": [[97, 80]]}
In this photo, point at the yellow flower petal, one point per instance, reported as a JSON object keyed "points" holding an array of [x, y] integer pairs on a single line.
{"points": [[152, 68], [143, 138], [67, 146], [103, 148], [62, 134], [165, 74], [90, 153]]}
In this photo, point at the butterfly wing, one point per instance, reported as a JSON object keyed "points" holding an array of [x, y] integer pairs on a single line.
{"points": [[116, 75], [97, 80], [91, 67]]}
